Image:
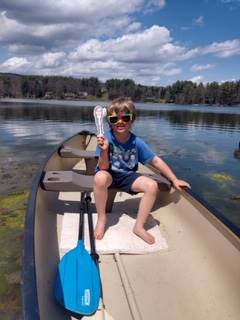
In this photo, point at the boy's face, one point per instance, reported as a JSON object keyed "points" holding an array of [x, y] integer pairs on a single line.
{"points": [[121, 122]]}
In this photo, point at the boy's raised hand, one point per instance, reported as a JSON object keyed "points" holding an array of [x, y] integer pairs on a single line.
{"points": [[102, 142]]}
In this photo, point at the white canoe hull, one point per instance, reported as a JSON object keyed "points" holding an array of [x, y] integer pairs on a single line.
{"points": [[196, 277]]}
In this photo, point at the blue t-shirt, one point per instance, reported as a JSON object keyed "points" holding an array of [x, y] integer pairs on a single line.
{"points": [[124, 157]]}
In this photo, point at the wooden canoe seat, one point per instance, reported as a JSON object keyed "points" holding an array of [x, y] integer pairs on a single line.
{"points": [[88, 156], [68, 181], [69, 152]]}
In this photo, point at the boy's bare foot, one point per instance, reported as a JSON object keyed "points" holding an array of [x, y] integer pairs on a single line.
{"points": [[144, 235], [100, 228]]}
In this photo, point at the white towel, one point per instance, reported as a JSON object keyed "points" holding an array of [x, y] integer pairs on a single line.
{"points": [[117, 238], [120, 238]]}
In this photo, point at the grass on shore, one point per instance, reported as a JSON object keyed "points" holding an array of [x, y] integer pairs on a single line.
{"points": [[12, 210]]}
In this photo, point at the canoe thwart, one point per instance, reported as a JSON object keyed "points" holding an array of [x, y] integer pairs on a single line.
{"points": [[70, 152], [67, 181], [88, 156], [74, 181], [60, 181]]}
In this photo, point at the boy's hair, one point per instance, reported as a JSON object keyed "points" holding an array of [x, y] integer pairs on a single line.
{"points": [[122, 104]]}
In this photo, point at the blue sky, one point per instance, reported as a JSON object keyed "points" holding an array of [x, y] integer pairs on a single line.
{"points": [[153, 42]]}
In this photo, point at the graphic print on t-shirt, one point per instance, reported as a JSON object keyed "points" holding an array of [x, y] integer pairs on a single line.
{"points": [[122, 160]]}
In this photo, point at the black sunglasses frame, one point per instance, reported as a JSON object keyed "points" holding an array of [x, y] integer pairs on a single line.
{"points": [[125, 118]]}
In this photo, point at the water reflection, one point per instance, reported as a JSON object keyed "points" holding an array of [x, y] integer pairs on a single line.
{"points": [[183, 117], [197, 143], [46, 112], [69, 113], [237, 152]]}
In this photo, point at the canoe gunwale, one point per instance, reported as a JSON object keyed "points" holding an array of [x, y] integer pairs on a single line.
{"points": [[228, 228], [29, 286]]}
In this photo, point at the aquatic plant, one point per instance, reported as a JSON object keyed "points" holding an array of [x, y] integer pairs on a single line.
{"points": [[221, 177]]}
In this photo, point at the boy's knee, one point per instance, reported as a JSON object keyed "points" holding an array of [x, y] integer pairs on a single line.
{"points": [[152, 187], [100, 180]]}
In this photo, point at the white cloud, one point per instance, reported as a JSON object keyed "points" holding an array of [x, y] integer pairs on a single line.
{"points": [[153, 44], [92, 38], [230, 1], [65, 11], [226, 80], [48, 25], [52, 25], [10, 30], [171, 71], [52, 59], [13, 64], [199, 67], [197, 79], [199, 21], [144, 55], [133, 27], [223, 49], [156, 4]]}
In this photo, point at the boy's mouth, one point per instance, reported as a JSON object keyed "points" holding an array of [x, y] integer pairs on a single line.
{"points": [[120, 126]]}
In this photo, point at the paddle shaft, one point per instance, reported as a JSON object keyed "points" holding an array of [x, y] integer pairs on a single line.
{"points": [[81, 222], [94, 255]]}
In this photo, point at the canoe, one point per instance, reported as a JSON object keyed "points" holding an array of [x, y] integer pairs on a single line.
{"points": [[196, 275]]}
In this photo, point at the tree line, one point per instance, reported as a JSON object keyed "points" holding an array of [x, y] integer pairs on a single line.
{"points": [[56, 87]]}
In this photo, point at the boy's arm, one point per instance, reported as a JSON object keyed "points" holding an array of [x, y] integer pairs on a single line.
{"points": [[103, 160], [159, 164]]}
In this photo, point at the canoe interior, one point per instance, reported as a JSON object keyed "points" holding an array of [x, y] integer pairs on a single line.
{"points": [[197, 277]]}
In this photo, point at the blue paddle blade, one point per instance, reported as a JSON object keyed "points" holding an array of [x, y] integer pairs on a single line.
{"points": [[77, 286]]}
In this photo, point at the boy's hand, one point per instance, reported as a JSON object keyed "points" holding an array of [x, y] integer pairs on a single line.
{"points": [[179, 184], [102, 142]]}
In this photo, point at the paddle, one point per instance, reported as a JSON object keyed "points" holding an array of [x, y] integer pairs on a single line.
{"points": [[77, 285]]}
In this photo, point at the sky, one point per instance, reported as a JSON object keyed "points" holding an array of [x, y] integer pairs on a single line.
{"points": [[154, 42]]}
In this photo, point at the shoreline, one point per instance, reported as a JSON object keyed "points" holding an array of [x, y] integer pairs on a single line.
{"points": [[93, 102]]}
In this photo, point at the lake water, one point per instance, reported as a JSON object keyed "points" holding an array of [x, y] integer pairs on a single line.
{"points": [[198, 142]]}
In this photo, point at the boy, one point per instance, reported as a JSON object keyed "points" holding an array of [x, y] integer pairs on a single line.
{"points": [[119, 153]]}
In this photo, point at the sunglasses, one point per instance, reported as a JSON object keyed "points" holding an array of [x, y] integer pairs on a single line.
{"points": [[125, 118]]}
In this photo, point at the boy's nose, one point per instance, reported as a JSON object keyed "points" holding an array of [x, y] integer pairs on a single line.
{"points": [[120, 121]]}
